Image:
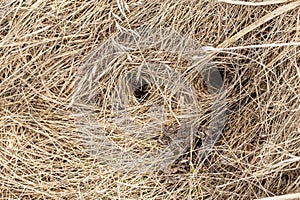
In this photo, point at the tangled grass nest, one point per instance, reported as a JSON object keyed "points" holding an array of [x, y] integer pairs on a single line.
{"points": [[254, 46], [123, 105]]}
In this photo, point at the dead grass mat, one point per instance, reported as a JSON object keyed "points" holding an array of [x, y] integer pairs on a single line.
{"points": [[43, 44]]}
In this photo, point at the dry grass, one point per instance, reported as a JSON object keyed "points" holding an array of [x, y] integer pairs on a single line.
{"points": [[43, 45]]}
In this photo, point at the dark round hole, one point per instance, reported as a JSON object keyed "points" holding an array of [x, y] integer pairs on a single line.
{"points": [[142, 93]]}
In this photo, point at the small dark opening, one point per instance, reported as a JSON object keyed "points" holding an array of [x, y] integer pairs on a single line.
{"points": [[142, 93], [214, 79]]}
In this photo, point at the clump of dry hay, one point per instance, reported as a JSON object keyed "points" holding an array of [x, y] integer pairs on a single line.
{"points": [[131, 93], [44, 44]]}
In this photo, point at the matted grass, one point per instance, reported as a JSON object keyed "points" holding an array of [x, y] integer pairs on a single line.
{"points": [[43, 44]]}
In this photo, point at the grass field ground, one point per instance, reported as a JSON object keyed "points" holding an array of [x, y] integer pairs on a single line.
{"points": [[253, 44]]}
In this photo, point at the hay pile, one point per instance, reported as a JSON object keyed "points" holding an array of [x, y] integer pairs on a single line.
{"points": [[44, 45]]}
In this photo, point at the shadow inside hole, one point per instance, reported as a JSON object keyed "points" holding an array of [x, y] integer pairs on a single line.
{"points": [[214, 80], [142, 93]]}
